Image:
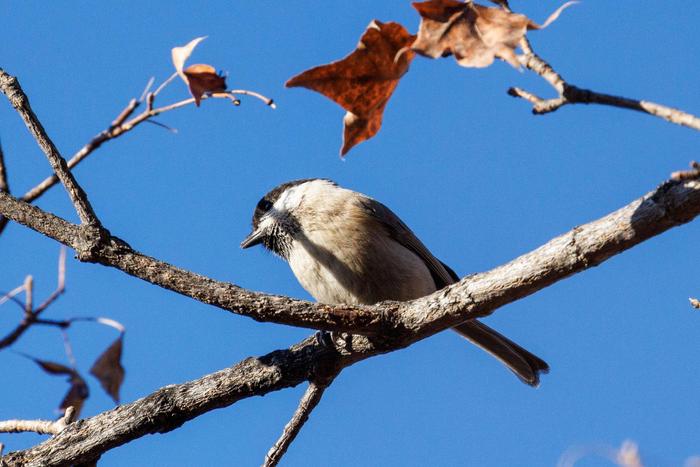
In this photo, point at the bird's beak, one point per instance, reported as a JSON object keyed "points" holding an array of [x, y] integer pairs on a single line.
{"points": [[255, 238]]}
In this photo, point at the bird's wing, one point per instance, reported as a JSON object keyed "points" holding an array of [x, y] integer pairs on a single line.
{"points": [[397, 230]]}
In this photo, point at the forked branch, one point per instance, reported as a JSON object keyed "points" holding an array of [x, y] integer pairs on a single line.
{"points": [[569, 94]]}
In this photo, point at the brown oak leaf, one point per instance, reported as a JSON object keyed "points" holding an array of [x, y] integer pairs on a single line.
{"points": [[109, 370], [363, 82], [473, 33], [200, 79]]}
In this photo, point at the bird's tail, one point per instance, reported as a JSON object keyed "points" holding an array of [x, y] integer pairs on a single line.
{"points": [[524, 364]]}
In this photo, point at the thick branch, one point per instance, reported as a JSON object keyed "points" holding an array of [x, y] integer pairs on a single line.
{"points": [[11, 88], [673, 203], [171, 406], [570, 94]]}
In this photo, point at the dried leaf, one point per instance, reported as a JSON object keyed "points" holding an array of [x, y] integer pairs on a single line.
{"points": [[54, 368], [76, 395], [109, 370], [363, 82], [181, 54], [202, 79], [78, 391], [694, 302], [473, 33]]}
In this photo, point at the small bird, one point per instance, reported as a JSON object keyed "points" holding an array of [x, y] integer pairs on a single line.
{"points": [[347, 248]]}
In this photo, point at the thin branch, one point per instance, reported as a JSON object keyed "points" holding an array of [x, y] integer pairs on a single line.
{"points": [[693, 173], [399, 324], [10, 86], [570, 94], [119, 127], [28, 295], [164, 84], [31, 315], [309, 401], [4, 185], [147, 89], [42, 427]]}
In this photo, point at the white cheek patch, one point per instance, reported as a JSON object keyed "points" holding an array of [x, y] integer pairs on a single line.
{"points": [[289, 200]]}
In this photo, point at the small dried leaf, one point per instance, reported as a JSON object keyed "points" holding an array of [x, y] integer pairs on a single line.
{"points": [[363, 82], [78, 391], [694, 302], [202, 79], [54, 368], [181, 54], [109, 370], [76, 395], [473, 33]]}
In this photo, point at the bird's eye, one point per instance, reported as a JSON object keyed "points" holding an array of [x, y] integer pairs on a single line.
{"points": [[264, 205]]}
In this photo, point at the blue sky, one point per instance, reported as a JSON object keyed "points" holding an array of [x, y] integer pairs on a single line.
{"points": [[476, 176]]}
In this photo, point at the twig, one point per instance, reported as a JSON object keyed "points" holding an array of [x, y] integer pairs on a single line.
{"points": [[570, 94], [42, 427], [691, 174], [11, 294], [28, 295], [307, 404], [164, 84], [10, 86], [148, 87], [32, 314], [68, 348], [115, 131], [4, 186]]}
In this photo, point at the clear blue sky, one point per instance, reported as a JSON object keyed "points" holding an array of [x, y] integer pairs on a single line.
{"points": [[478, 178]]}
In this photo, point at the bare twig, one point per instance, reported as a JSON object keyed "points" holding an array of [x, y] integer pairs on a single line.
{"points": [[42, 427], [570, 94], [120, 126], [307, 404], [32, 314], [28, 295], [164, 84], [4, 185], [693, 173], [10, 86], [147, 89]]}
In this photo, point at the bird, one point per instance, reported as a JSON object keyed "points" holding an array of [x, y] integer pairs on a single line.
{"points": [[345, 247]]}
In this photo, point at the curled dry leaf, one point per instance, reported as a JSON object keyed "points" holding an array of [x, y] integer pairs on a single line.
{"points": [[76, 395], [200, 78], [473, 33], [78, 391], [363, 82], [109, 370]]}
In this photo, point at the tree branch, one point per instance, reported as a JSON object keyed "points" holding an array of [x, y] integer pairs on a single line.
{"points": [[307, 404], [9, 85], [42, 427], [672, 204], [400, 324], [570, 94]]}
